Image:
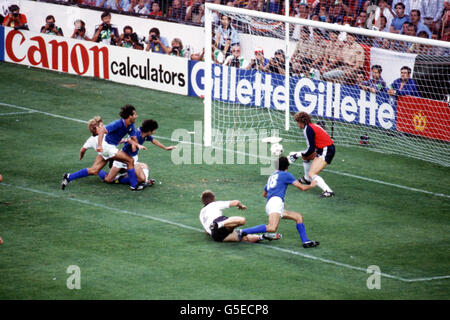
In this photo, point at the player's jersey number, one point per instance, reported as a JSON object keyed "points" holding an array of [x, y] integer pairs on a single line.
{"points": [[272, 183]]}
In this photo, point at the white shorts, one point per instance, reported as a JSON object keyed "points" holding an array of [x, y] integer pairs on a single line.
{"points": [[109, 150], [122, 165], [275, 205]]}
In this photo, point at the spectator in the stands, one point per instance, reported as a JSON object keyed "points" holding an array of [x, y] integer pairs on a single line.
{"points": [[361, 20], [406, 3], [274, 6], [376, 84], [323, 13], [122, 5], [236, 59], [157, 43], [433, 15], [79, 32], [91, 3], [130, 6], [421, 48], [252, 5], [156, 10], [177, 49], [129, 39], [226, 35], [113, 5], [404, 86], [101, 3], [332, 52], [259, 61], [141, 8], [337, 13], [352, 60], [399, 19], [303, 13], [414, 16], [360, 77], [301, 57], [194, 12], [50, 27], [15, 19], [176, 11], [106, 32], [277, 64], [317, 51], [383, 10]]}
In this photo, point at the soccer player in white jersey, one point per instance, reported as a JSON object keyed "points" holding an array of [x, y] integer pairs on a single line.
{"points": [[220, 227], [275, 191], [143, 133], [108, 138]]}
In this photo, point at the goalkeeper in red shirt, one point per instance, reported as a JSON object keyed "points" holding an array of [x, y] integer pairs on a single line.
{"points": [[317, 156]]}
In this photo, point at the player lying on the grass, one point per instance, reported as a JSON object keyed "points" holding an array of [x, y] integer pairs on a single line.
{"points": [[143, 133], [94, 125], [320, 150], [108, 139], [275, 191], [220, 227]]}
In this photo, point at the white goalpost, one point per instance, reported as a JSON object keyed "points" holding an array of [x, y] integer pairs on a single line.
{"points": [[381, 91]]}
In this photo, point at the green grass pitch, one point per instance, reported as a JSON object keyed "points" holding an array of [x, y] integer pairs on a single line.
{"points": [[389, 211]]}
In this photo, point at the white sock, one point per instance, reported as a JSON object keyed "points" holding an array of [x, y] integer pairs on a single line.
{"points": [[321, 183], [220, 224], [146, 174], [306, 167]]}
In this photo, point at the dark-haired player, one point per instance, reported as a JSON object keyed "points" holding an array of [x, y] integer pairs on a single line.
{"points": [[143, 133], [275, 191], [320, 150], [108, 139], [220, 227]]}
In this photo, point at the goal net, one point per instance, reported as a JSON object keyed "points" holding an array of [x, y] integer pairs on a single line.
{"points": [[378, 90]]}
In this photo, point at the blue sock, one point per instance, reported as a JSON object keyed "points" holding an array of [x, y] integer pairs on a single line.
{"points": [[79, 174], [102, 174], [258, 229], [302, 232], [132, 177], [124, 180]]}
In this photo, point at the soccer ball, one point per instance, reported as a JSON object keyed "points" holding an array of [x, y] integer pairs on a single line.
{"points": [[276, 149]]}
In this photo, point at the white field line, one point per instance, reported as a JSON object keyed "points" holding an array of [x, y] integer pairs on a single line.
{"points": [[16, 113], [250, 155], [304, 255]]}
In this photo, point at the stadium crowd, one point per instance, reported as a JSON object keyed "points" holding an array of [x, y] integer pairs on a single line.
{"points": [[320, 54]]}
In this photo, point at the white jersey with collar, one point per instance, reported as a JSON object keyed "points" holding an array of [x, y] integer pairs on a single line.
{"points": [[212, 211]]}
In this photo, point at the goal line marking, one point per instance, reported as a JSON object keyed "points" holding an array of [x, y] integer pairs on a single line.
{"points": [[238, 152], [308, 256]]}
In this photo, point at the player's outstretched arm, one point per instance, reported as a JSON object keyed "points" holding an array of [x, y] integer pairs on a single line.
{"points": [[304, 187], [159, 144], [101, 131], [82, 152], [238, 204]]}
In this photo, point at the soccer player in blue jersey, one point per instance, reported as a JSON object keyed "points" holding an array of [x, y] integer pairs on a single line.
{"points": [[275, 191], [108, 139], [131, 147]]}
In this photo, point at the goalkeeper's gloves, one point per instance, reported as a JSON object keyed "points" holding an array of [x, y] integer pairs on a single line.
{"points": [[293, 156]]}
